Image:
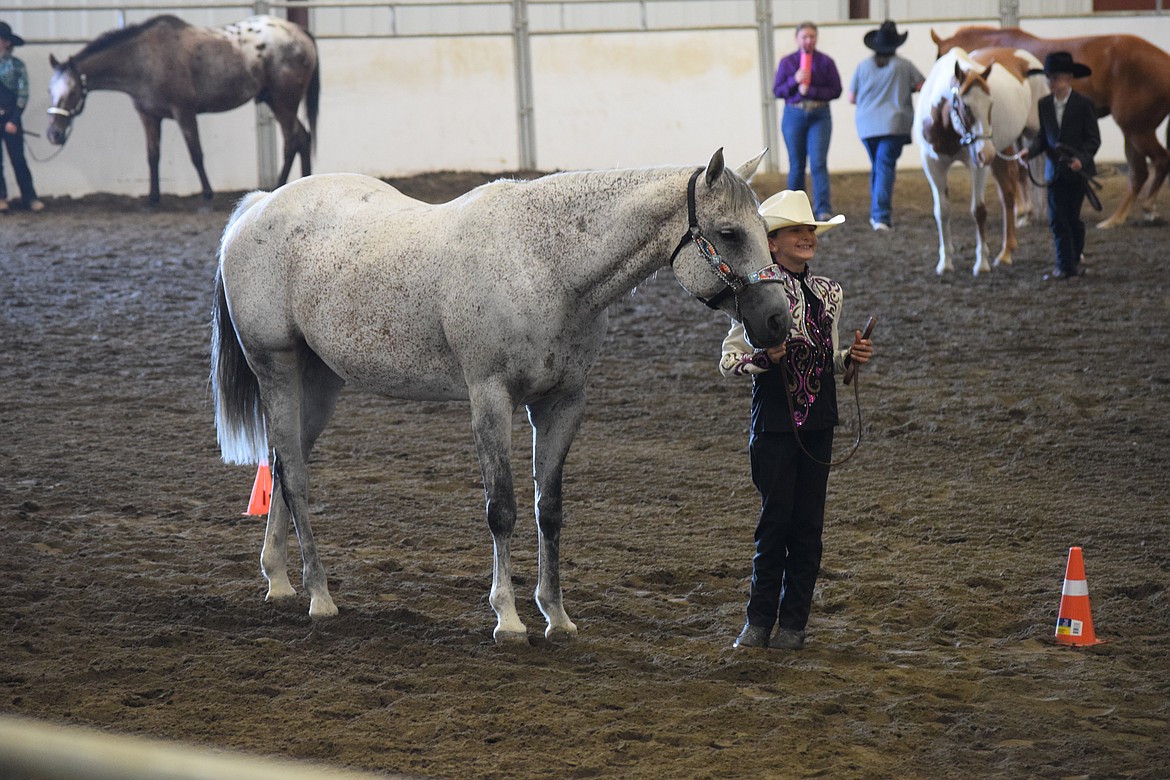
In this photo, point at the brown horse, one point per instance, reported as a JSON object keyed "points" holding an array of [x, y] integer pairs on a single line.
{"points": [[1130, 79], [172, 70]]}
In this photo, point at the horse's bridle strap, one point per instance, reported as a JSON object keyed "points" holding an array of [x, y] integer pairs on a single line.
{"points": [[76, 111], [735, 283]]}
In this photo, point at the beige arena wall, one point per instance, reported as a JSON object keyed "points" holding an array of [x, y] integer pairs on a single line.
{"points": [[398, 106]]}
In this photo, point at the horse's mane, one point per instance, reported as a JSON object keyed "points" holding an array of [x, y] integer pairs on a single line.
{"points": [[115, 37], [742, 195]]}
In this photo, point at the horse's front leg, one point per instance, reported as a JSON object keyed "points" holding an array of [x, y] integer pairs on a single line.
{"points": [[936, 175], [190, 128], [555, 422], [153, 127], [1005, 180], [979, 214], [491, 425]]}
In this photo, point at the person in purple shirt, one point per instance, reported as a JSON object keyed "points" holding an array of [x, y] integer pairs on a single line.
{"points": [[806, 80]]}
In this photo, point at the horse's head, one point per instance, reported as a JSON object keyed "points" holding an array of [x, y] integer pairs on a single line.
{"points": [[724, 249], [67, 92], [971, 106]]}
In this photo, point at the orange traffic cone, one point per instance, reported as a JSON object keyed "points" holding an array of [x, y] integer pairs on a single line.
{"points": [[1074, 625], [261, 492]]}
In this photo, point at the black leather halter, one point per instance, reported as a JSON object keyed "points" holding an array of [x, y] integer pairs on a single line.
{"points": [[735, 283]]}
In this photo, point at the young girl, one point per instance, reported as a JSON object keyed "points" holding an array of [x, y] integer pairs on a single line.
{"points": [[792, 385]]}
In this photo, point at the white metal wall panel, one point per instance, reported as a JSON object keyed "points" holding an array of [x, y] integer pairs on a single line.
{"points": [[394, 106]]}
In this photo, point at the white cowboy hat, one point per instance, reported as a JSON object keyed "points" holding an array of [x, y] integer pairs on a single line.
{"points": [[791, 207]]}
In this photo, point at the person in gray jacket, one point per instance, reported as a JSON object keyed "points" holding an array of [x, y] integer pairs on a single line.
{"points": [[881, 89]]}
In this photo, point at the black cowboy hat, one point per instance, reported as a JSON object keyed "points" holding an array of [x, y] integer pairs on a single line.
{"points": [[885, 39], [6, 34], [1062, 62]]}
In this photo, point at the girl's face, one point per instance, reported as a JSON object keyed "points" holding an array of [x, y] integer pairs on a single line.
{"points": [[793, 247]]}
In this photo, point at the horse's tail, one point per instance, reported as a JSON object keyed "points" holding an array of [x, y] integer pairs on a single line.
{"points": [[312, 99], [239, 413]]}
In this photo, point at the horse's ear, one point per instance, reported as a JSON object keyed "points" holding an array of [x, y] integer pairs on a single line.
{"points": [[987, 73], [959, 75], [934, 37], [746, 170], [715, 167], [53, 62]]}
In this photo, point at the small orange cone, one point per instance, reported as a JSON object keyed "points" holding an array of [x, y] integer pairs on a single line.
{"points": [[261, 492], [1074, 625]]}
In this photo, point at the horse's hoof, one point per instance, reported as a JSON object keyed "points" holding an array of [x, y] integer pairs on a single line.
{"points": [[561, 633], [510, 637], [322, 608], [279, 592], [1106, 224]]}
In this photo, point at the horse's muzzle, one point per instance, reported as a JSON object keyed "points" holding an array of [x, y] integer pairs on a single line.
{"points": [[56, 134], [766, 321]]}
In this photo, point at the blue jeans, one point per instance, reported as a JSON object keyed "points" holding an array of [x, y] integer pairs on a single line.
{"points": [[15, 146], [884, 151], [806, 134]]}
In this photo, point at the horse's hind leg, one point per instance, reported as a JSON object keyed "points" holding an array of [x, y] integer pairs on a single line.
{"points": [[1160, 159], [190, 127], [300, 393], [491, 425], [296, 141], [274, 554], [1138, 172], [554, 423]]}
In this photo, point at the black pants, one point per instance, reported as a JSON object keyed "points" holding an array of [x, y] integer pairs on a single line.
{"points": [[14, 143], [1065, 199], [788, 535]]}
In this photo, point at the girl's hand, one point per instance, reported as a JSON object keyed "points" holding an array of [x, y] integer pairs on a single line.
{"points": [[862, 349]]}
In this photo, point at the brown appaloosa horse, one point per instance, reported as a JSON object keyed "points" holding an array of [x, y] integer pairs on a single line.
{"points": [[1130, 80], [172, 70]]}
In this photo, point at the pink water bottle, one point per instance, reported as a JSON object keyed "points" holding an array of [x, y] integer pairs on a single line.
{"points": [[806, 65]]}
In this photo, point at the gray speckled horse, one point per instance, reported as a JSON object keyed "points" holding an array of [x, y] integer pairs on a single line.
{"points": [[498, 297], [172, 70]]}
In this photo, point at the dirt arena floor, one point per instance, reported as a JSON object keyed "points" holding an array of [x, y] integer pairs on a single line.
{"points": [[1005, 420]]}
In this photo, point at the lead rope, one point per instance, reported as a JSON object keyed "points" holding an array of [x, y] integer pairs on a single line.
{"points": [[796, 428]]}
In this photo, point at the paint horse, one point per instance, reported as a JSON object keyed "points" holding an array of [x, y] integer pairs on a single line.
{"points": [[974, 109], [1130, 79], [498, 298], [172, 70]]}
